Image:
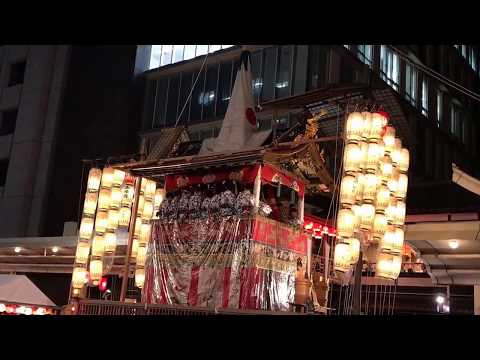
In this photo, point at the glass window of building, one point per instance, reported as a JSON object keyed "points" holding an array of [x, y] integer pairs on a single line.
{"points": [[160, 103], [197, 98], [411, 84], [270, 65], [226, 46], [3, 171], [210, 92], [389, 66], [189, 52], [425, 97], [317, 67], [202, 50], [17, 73], [178, 53], [284, 72], [167, 52], [365, 54], [257, 80], [456, 120], [172, 101], [186, 83], [8, 121], [224, 86], [155, 55], [439, 107], [214, 48], [464, 51]]}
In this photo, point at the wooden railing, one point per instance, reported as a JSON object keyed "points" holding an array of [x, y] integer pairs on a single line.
{"points": [[112, 308]]}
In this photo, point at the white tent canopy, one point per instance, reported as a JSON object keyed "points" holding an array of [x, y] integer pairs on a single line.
{"points": [[19, 289]]}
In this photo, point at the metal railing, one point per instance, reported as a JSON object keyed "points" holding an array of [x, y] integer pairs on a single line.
{"points": [[113, 308]]}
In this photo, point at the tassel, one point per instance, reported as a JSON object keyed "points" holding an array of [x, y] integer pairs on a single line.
{"points": [[279, 190], [292, 196]]}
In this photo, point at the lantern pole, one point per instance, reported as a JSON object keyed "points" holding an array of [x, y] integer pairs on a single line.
{"points": [[131, 233]]}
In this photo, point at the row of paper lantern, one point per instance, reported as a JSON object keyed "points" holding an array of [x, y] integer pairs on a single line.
{"points": [[372, 193], [108, 202]]}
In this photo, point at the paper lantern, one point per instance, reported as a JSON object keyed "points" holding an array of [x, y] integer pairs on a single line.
{"points": [[354, 250], [348, 190], [391, 210], [392, 240], [78, 277], [367, 124], [354, 127], [402, 186], [141, 254], [141, 204], [90, 205], [138, 226], [363, 155], [389, 139], [383, 198], [110, 242], [360, 186], [94, 176], [400, 211], [82, 252], [139, 277], [375, 152], [352, 158], [393, 182], [143, 185], [116, 198], [118, 176], [145, 231], [345, 223], [396, 153], [107, 177], [86, 228], [98, 245], [113, 218], [386, 169], [134, 248], [341, 257], [147, 212], [376, 126], [104, 198], [124, 217], [369, 187], [404, 160], [379, 226], [357, 211], [96, 270], [129, 179], [159, 197], [101, 221], [388, 266], [128, 192], [150, 188], [367, 214]]}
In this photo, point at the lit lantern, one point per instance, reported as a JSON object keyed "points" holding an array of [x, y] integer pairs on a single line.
{"points": [[83, 250], [159, 197], [367, 124], [393, 182], [341, 257], [354, 250], [367, 214], [352, 158], [98, 245], [141, 204], [386, 169], [145, 230], [383, 198], [345, 223], [94, 176], [396, 153], [78, 277], [129, 180], [354, 127], [124, 218], [379, 226], [375, 152], [404, 160], [118, 176], [101, 221], [400, 211], [348, 190], [90, 204], [356, 209], [370, 187], [86, 228], [113, 218], [388, 266], [389, 139], [376, 127], [363, 154], [143, 185], [392, 240], [96, 269], [360, 186], [128, 193], [107, 177], [139, 277], [104, 198], [391, 210], [141, 254], [134, 248], [147, 212], [150, 189], [402, 186], [110, 242], [116, 197], [138, 226]]}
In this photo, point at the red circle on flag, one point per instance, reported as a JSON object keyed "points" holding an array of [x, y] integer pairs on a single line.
{"points": [[252, 119]]}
